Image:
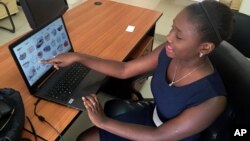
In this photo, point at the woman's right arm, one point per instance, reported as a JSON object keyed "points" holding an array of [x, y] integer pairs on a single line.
{"points": [[112, 68]]}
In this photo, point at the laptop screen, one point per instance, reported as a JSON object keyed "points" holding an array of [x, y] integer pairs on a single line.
{"points": [[41, 44]]}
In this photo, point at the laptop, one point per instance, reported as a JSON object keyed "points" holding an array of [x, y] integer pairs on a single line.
{"points": [[65, 86]]}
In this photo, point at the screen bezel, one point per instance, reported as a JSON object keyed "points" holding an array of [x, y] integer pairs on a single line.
{"points": [[33, 88]]}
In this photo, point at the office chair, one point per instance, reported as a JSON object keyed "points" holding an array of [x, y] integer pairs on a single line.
{"points": [[240, 38], [13, 28], [234, 69]]}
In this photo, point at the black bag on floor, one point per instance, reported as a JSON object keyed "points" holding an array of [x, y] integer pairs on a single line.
{"points": [[11, 115]]}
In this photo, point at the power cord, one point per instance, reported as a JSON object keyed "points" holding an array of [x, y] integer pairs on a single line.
{"points": [[33, 132], [32, 128], [42, 119]]}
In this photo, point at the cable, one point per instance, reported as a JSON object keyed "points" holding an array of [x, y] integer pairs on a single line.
{"points": [[27, 139], [42, 119], [32, 128]]}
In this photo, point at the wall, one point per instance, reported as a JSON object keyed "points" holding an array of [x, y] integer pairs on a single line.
{"points": [[245, 7]]}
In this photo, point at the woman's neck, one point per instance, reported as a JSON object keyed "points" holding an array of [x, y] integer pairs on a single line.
{"points": [[191, 63]]}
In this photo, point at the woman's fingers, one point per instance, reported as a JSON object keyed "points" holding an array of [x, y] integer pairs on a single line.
{"points": [[52, 61], [56, 66], [88, 105], [90, 102], [48, 61], [95, 97], [94, 109]]}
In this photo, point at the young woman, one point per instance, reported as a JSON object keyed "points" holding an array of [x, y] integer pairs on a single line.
{"points": [[188, 92]]}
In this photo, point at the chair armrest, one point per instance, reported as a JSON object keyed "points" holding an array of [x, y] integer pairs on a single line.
{"points": [[117, 107], [141, 76], [123, 88]]}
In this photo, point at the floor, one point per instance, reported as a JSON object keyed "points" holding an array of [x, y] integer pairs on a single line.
{"points": [[169, 8]]}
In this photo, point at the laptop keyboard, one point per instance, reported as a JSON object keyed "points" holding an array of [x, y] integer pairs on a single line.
{"points": [[65, 87]]}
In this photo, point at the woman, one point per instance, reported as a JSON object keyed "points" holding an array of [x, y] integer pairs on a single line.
{"points": [[189, 94]]}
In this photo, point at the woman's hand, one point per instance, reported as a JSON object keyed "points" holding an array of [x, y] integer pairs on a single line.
{"points": [[62, 60], [94, 109]]}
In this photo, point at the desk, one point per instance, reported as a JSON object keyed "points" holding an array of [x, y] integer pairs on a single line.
{"points": [[97, 30]]}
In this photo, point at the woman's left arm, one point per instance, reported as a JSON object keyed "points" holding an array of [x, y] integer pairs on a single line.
{"points": [[190, 122]]}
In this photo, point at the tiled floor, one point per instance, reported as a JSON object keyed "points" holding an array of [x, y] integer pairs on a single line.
{"points": [[169, 8]]}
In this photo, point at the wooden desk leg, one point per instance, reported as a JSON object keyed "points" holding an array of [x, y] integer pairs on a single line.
{"points": [[11, 21]]}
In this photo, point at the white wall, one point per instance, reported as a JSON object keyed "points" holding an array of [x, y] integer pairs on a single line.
{"points": [[245, 7]]}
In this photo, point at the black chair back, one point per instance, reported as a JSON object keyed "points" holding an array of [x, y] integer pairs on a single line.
{"points": [[234, 68], [240, 38]]}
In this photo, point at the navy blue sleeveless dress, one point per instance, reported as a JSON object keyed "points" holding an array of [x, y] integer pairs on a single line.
{"points": [[170, 101]]}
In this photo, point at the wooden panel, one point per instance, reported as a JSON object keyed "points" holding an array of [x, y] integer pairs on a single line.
{"points": [[102, 29], [143, 48]]}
